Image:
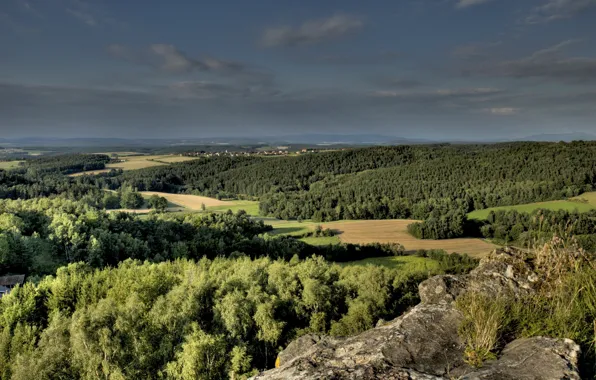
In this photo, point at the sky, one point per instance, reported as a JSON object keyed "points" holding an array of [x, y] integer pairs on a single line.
{"points": [[442, 69]]}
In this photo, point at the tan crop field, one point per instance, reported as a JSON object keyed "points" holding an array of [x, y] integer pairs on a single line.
{"points": [[174, 159], [395, 231], [143, 210], [138, 162], [192, 202], [90, 172]]}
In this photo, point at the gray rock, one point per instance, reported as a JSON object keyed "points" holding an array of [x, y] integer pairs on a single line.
{"points": [[532, 358], [423, 344]]}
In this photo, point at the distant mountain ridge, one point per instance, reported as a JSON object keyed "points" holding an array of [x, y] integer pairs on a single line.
{"points": [[308, 138], [572, 136]]}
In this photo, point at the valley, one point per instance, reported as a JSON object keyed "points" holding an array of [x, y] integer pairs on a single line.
{"points": [[242, 254]]}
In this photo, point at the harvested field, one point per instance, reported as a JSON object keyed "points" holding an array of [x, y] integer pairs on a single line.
{"points": [[144, 210], [174, 159], [134, 162], [90, 172], [192, 202], [381, 231], [395, 231]]}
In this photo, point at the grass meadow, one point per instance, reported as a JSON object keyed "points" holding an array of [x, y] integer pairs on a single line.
{"points": [[581, 203]]}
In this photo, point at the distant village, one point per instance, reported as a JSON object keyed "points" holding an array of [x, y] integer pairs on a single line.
{"points": [[278, 151]]}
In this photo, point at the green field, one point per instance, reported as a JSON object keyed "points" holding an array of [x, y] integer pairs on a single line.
{"points": [[7, 165], [582, 203], [323, 240], [290, 228], [293, 228], [251, 207], [407, 264]]}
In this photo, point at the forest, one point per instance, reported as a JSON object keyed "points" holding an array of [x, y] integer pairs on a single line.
{"points": [[67, 163], [382, 182], [211, 292], [181, 319], [213, 295]]}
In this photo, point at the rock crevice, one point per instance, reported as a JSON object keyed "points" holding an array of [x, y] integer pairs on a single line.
{"points": [[424, 342]]}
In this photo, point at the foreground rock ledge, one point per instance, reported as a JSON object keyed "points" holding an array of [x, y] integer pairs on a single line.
{"points": [[424, 344]]}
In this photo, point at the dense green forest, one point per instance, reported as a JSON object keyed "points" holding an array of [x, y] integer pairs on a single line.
{"points": [[38, 236], [67, 163], [191, 296], [369, 183], [186, 296], [527, 228], [383, 182], [187, 320]]}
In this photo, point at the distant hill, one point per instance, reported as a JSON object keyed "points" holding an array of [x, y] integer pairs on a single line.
{"points": [[305, 139], [573, 136], [311, 139]]}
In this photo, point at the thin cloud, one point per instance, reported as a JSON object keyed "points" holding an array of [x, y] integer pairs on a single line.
{"points": [[475, 51], [170, 59], [558, 9], [383, 58], [403, 83], [209, 90], [89, 13], [196, 107], [470, 3], [311, 32], [503, 111], [549, 63], [440, 95], [28, 7], [85, 18]]}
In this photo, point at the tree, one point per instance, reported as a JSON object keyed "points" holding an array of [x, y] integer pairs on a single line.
{"points": [[131, 199], [111, 201], [240, 363], [158, 203], [203, 356]]}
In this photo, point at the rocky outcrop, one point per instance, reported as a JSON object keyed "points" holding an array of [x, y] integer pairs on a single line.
{"points": [[424, 342]]}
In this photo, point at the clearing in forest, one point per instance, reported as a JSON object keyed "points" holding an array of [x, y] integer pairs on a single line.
{"points": [[395, 231], [7, 165], [192, 202], [172, 159], [406, 264], [581, 203], [90, 172], [251, 207], [139, 162], [382, 231], [136, 162]]}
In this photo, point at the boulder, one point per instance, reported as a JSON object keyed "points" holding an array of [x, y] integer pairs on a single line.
{"points": [[424, 342]]}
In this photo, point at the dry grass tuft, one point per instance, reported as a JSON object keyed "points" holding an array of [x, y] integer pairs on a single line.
{"points": [[484, 319]]}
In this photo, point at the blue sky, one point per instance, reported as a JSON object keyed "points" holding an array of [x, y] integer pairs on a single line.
{"points": [[464, 69]]}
